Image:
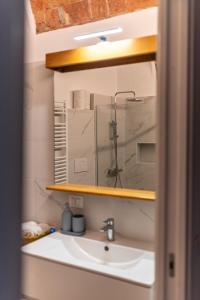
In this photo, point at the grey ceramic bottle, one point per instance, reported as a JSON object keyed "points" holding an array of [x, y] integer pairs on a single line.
{"points": [[66, 222]]}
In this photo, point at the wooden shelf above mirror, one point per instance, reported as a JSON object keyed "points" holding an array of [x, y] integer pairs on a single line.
{"points": [[104, 55], [104, 191]]}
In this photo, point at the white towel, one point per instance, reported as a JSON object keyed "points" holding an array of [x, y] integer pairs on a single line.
{"points": [[81, 99], [32, 229]]}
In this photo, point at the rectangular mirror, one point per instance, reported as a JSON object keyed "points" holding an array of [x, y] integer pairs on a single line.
{"points": [[105, 126]]}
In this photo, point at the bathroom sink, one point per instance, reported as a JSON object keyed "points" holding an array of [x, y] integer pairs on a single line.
{"points": [[135, 265], [104, 252]]}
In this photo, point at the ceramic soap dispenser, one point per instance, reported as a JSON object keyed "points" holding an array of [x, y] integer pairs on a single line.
{"points": [[66, 222]]}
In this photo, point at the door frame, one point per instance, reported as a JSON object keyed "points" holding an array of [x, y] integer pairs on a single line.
{"points": [[193, 204], [179, 166], [11, 108], [172, 189]]}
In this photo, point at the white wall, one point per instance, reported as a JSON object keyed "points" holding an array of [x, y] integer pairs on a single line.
{"points": [[134, 219], [96, 81], [139, 77], [106, 81]]}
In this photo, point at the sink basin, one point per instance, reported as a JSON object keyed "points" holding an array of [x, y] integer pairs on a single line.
{"points": [[103, 252]]}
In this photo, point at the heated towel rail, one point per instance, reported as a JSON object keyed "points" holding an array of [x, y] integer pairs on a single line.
{"points": [[60, 149]]}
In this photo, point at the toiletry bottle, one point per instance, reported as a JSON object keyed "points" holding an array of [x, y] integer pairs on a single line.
{"points": [[66, 222]]}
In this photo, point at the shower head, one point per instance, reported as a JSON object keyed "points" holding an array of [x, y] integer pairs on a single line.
{"points": [[134, 99], [122, 93], [125, 92], [138, 99], [131, 98]]}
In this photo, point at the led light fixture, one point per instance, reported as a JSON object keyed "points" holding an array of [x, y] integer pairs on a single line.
{"points": [[99, 34]]}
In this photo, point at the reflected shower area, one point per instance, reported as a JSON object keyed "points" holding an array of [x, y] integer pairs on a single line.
{"points": [[126, 140], [105, 127]]}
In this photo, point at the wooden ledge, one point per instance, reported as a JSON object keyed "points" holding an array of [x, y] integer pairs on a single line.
{"points": [[104, 191], [104, 55]]}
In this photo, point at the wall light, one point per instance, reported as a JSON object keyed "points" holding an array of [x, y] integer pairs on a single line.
{"points": [[98, 34]]}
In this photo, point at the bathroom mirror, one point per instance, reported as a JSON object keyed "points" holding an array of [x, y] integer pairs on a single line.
{"points": [[105, 126]]}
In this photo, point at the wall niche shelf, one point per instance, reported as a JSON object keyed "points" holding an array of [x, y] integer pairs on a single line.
{"points": [[104, 191], [104, 55]]}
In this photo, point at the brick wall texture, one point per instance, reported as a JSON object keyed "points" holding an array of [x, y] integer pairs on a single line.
{"points": [[55, 14]]}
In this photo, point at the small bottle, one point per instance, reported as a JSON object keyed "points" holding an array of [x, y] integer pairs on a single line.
{"points": [[66, 222]]}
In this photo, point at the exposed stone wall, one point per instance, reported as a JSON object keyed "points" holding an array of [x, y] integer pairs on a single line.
{"points": [[55, 14]]}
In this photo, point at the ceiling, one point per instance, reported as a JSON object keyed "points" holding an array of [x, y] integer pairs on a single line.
{"points": [[55, 14]]}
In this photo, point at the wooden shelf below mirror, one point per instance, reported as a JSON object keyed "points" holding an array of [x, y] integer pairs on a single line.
{"points": [[104, 191]]}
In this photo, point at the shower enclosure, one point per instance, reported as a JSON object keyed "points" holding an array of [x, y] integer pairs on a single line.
{"points": [[125, 141], [115, 172]]}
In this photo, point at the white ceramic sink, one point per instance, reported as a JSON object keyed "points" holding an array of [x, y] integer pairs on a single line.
{"points": [[103, 253], [109, 258]]}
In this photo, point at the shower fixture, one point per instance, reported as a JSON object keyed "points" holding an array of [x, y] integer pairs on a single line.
{"points": [[135, 99], [115, 172]]}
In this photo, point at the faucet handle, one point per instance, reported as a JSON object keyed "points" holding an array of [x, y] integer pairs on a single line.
{"points": [[109, 221]]}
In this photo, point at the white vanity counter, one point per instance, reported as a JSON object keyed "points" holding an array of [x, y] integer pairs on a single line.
{"points": [[84, 255]]}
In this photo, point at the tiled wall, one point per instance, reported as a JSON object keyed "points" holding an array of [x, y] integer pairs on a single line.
{"points": [[38, 142], [140, 146], [133, 219], [51, 15], [81, 145]]}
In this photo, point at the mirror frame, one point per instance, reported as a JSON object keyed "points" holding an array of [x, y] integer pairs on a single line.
{"points": [[98, 56]]}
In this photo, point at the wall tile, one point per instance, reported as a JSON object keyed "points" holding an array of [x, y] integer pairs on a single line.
{"points": [[48, 206], [133, 219], [38, 4], [29, 204], [117, 7], [78, 12], [38, 137], [99, 9], [132, 5], [52, 18]]}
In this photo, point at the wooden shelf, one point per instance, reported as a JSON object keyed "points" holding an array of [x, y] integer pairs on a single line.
{"points": [[104, 55], [104, 191]]}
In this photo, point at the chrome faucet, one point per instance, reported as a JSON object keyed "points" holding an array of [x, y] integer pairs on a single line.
{"points": [[109, 229]]}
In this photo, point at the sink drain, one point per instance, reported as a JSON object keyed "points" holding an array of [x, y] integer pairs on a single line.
{"points": [[106, 248]]}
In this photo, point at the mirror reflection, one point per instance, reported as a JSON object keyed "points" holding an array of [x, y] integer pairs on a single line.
{"points": [[105, 126]]}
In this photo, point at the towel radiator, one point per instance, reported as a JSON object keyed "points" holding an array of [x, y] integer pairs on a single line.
{"points": [[60, 149]]}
